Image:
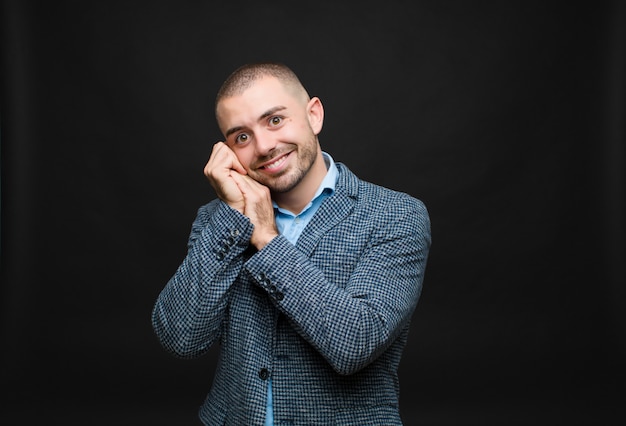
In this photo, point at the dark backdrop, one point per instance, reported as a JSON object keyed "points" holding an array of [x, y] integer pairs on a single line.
{"points": [[505, 118]]}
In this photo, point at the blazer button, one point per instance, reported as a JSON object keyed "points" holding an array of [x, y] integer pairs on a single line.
{"points": [[264, 373]]}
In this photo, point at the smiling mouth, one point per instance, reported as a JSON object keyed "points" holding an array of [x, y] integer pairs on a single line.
{"points": [[276, 164]]}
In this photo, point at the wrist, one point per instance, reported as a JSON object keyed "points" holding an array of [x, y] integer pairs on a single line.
{"points": [[260, 241]]}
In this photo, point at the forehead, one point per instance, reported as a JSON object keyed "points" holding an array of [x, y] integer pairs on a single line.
{"points": [[263, 94]]}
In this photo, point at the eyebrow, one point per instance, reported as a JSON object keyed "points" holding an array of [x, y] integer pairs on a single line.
{"points": [[263, 116]]}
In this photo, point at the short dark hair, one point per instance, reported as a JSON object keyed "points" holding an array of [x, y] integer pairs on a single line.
{"points": [[243, 77]]}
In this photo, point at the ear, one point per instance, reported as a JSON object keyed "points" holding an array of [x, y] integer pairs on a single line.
{"points": [[315, 114]]}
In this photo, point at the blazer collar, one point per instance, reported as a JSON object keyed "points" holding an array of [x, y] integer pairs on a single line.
{"points": [[332, 211]]}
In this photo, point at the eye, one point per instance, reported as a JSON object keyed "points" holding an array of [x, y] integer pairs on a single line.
{"points": [[275, 120], [242, 138]]}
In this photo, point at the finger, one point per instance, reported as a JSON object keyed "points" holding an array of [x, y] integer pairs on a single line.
{"points": [[221, 161], [242, 182], [213, 159], [252, 191], [231, 157], [247, 185]]}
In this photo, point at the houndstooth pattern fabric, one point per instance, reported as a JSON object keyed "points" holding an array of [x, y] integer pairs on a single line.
{"points": [[326, 319]]}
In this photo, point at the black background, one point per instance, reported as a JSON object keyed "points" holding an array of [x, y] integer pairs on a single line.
{"points": [[505, 117]]}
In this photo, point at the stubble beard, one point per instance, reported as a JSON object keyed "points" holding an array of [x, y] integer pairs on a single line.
{"points": [[291, 177]]}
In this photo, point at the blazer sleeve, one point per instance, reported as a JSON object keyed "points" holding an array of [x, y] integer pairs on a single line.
{"points": [[352, 323], [187, 314]]}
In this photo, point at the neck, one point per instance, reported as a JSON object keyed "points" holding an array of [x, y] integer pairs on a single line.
{"points": [[297, 199]]}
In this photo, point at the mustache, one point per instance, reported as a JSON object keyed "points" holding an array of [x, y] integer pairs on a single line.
{"points": [[270, 157]]}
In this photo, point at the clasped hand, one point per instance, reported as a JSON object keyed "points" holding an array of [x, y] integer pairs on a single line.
{"points": [[232, 185]]}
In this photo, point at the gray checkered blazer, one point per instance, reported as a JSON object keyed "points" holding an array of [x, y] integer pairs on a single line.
{"points": [[326, 319]]}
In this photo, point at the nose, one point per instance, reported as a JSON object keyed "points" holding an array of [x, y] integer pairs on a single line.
{"points": [[265, 143]]}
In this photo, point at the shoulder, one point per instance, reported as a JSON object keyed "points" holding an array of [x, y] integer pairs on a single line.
{"points": [[384, 208], [374, 196]]}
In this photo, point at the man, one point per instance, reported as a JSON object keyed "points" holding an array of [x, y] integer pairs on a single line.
{"points": [[305, 275]]}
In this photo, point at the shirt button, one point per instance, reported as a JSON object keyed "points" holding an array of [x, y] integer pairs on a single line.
{"points": [[264, 373]]}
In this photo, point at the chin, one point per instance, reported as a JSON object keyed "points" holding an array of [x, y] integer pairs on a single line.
{"points": [[282, 186]]}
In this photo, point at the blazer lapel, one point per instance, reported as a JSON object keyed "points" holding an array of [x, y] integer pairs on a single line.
{"points": [[332, 211]]}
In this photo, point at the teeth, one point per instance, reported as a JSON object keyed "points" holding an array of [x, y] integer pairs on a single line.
{"points": [[275, 164]]}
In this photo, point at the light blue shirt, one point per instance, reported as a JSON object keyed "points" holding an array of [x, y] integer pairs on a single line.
{"points": [[291, 226]]}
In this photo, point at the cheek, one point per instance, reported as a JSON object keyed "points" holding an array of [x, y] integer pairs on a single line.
{"points": [[301, 131]]}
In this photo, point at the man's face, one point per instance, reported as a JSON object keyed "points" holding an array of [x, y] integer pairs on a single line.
{"points": [[269, 128]]}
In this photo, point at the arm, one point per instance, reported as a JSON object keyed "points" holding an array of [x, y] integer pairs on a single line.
{"points": [[188, 313], [351, 320]]}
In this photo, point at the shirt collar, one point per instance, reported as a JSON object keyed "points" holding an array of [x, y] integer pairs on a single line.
{"points": [[328, 184], [330, 180]]}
